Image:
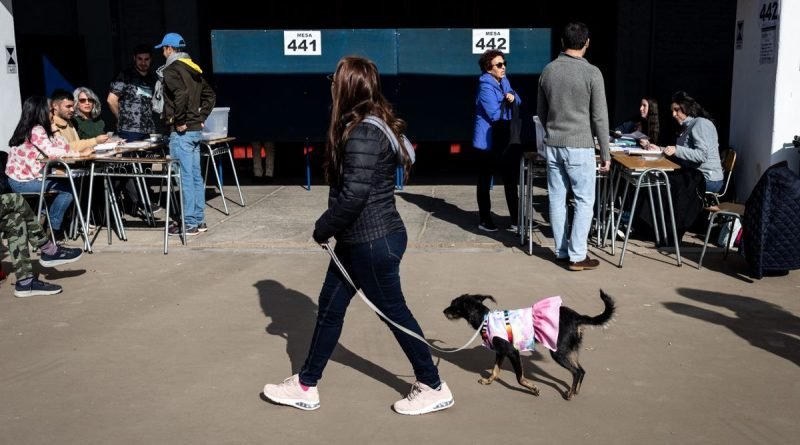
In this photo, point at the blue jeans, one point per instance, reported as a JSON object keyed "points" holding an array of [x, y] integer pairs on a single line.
{"points": [[570, 167], [185, 147], [60, 203], [374, 266], [132, 136], [713, 186]]}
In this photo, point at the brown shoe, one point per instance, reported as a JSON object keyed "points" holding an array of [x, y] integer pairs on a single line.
{"points": [[586, 264]]}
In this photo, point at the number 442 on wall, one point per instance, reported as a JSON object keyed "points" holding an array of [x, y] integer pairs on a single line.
{"points": [[769, 13], [483, 39]]}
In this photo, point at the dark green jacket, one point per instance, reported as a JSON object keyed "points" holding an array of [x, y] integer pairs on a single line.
{"points": [[88, 128]]}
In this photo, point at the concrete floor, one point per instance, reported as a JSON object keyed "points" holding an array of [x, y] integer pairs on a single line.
{"points": [[144, 347]]}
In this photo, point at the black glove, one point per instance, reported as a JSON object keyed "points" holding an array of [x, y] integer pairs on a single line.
{"points": [[318, 238]]}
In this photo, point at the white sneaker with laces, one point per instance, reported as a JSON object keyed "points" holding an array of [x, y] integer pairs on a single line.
{"points": [[423, 399], [290, 393]]}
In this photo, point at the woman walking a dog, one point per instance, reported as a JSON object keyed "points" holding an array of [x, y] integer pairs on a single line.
{"points": [[360, 165]]}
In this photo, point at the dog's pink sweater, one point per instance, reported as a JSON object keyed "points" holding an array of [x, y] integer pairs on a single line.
{"points": [[524, 327]]}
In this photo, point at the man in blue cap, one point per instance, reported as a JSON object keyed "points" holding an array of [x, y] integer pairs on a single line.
{"points": [[185, 100]]}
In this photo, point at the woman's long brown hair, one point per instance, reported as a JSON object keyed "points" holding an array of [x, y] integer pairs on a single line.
{"points": [[652, 120], [356, 92]]}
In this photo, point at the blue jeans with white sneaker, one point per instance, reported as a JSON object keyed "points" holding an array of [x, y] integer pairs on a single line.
{"points": [[575, 168], [185, 147], [374, 266]]}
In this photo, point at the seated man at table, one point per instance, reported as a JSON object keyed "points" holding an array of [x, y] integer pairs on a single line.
{"points": [[20, 227], [62, 104]]}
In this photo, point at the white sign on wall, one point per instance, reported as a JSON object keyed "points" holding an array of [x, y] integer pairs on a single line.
{"points": [[302, 43], [11, 60], [769, 17], [483, 39], [769, 13]]}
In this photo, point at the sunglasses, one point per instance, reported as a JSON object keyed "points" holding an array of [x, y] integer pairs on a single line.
{"points": [[84, 100], [500, 64]]}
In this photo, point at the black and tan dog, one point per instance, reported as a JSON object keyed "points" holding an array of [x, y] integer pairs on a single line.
{"points": [[470, 307]]}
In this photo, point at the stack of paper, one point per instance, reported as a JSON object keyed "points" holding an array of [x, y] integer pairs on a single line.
{"points": [[137, 144], [106, 146]]}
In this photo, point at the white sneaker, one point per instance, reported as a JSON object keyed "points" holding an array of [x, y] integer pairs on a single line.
{"points": [[423, 399], [290, 393]]}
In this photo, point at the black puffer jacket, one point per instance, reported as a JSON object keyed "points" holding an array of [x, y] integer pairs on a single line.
{"points": [[361, 207], [771, 226]]}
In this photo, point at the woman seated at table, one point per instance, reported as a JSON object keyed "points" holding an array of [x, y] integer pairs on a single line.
{"points": [[87, 120], [33, 141], [697, 146], [646, 122]]}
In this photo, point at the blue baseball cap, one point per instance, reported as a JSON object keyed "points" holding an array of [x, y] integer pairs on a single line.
{"points": [[172, 39]]}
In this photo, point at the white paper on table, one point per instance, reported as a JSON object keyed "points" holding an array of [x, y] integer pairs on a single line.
{"points": [[137, 144], [105, 146]]}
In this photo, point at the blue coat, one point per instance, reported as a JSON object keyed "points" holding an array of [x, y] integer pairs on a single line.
{"points": [[488, 108]]}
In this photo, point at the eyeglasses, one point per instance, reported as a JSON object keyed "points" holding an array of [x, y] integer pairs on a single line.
{"points": [[330, 78], [84, 100], [500, 64]]}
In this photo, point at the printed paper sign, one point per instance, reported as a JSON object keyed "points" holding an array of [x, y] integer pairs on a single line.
{"points": [[483, 39], [769, 13], [11, 60], [302, 43], [769, 16]]}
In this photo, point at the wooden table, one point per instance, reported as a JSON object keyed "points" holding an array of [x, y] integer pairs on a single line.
{"points": [[61, 168], [105, 167], [650, 174]]}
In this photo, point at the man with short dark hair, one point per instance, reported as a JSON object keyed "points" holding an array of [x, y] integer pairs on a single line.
{"points": [[572, 107], [130, 99], [187, 101]]}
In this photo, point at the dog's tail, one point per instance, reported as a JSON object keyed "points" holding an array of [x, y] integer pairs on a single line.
{"points": [[603, 318]]}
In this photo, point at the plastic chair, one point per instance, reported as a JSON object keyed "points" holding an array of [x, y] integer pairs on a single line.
{"points": [[728, 212], [728, 164]]}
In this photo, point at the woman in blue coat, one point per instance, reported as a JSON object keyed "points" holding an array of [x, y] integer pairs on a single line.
{"points": [[493, 112]]}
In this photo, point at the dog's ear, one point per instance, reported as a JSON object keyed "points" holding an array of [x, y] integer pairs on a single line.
{"points": [[487, 297]]}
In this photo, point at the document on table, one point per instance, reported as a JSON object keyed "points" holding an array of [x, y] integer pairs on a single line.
{"points": [[105, 146], [137, 144]]}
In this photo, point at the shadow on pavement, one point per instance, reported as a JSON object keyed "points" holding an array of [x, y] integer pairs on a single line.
{"points": [[466, 220], [764, 325], [293, 315], [479, 361]]}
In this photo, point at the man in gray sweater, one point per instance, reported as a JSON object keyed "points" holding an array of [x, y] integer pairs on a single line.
{"points": [[572, 107]]}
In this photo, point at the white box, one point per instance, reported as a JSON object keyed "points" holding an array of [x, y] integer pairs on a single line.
{"points": [[216, 125]]}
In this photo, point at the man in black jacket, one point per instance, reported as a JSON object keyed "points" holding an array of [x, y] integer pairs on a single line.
{"points": [[187, 102]]}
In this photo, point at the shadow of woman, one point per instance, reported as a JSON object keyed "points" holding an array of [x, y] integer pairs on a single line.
{"points": [[293, 316], [764, 325], [445, 211], [464, 219], [480, 361]]}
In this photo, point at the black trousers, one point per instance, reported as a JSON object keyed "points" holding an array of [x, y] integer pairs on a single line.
{"points": [[503, 159]]}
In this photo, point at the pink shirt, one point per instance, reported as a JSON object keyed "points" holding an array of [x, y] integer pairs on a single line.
{"points": [[524, 327], [25, 161]]}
